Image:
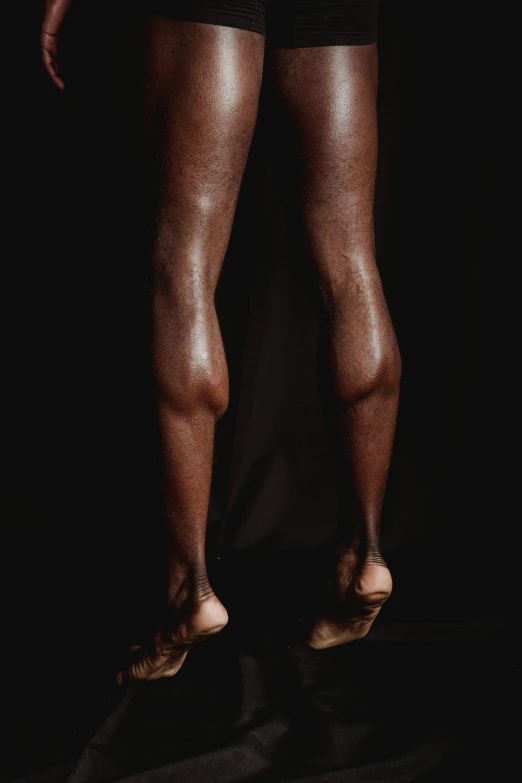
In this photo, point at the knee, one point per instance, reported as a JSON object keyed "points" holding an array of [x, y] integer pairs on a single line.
{"points": [[187, 391], [207, 391], [189, 362], [377, 372]]}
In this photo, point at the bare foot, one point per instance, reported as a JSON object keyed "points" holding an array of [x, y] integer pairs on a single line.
{"points": [[358, 589], [185, 626]]}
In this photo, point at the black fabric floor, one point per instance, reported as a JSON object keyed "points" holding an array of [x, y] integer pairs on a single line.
{"points": [[416, 701]]}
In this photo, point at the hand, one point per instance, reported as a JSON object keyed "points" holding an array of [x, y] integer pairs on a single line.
{"points": [[55, 11]]}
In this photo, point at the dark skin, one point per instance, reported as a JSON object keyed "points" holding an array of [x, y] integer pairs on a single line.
{"points": [[204, 83]]}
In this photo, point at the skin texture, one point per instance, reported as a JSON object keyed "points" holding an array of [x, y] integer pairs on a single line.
{"points": [[330, 94], [202, 99], [55, 11], [204, 83]]}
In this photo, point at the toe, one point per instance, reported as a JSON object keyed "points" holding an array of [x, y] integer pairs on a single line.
{"points": [[151, 666]]}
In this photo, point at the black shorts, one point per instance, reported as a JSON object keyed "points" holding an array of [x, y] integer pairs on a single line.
{"points": [[287, 24]]}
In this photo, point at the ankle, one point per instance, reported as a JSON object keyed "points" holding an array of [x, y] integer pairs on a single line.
{"points": [[188, 583], [372, 554], [367, 549]]}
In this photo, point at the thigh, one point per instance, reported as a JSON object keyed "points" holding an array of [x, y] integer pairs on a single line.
{"points": [[201, 103], [330, 95]]}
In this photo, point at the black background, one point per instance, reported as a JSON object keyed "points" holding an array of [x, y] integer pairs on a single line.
{"points": [[82, 499]]}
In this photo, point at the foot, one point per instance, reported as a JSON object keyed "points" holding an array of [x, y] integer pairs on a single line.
{"points": [[185, 625], [358, 589]]}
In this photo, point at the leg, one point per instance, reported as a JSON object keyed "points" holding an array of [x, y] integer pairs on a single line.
{"points": [[330, 93], [203, 92]]}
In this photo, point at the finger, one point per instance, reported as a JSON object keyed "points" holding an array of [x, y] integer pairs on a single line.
{"points": [[49, 45], [52, 70], [51, 66]]}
